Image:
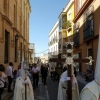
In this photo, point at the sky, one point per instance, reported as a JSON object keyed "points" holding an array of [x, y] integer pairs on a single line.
{"points": [[43, 16]]}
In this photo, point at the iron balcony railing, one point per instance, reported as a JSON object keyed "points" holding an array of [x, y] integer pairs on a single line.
{"points": [[76, 39], [68, 24], [88, 33]]}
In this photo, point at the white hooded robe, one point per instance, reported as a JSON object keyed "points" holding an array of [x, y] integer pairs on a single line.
{"points": [[19, 91], [62, 95]]}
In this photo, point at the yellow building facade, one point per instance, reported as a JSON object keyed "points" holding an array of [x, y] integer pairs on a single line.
{"points": [[69, 23], [14, 31], [66, 24]]}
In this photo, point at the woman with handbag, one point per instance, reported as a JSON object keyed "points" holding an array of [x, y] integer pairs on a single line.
{"points": [[2, 79]]}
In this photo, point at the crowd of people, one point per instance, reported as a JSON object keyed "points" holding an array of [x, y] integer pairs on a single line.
{"points": [[33, 72], [8, 75]]}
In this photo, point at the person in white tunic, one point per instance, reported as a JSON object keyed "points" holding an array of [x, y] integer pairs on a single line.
{"points": [[19, 91], [62, 95], [92, 90]]}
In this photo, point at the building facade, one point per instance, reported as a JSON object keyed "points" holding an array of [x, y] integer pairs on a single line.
{"points": [[14, 31], [53, 40], [44, 58], [86, 30], [31, 53], [66, 24]]}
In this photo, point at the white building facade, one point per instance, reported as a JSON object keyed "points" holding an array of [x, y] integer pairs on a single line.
{"points": [[54, 40], [31, 52]]}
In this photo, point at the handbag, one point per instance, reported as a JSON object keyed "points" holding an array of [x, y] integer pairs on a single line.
{"points": [[5, 84]]}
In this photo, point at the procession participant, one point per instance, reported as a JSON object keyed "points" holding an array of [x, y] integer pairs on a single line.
{"points": [[23, 83], [92, 90], [62, 95]]}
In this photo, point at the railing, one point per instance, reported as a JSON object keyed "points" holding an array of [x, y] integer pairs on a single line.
{"points": [[68, 24], [76, 39], [88, 33]]}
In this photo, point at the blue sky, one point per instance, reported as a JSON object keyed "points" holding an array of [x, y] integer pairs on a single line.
{"points": [[44, 14]]}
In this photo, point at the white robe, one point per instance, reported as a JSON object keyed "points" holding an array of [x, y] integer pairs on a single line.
{"points": [[90, 92], [19, 91], [62, 92]]}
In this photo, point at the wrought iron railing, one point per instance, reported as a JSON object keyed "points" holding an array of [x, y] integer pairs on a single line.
{"points": [[76, 39], [88, 33], [68, 24]]}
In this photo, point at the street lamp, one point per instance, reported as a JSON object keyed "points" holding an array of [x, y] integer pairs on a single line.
{"points": [[16, 38]]}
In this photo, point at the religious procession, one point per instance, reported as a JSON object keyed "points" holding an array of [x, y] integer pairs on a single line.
{"points": [[58, 60]]}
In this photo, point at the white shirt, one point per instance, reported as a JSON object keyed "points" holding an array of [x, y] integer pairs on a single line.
{"points": [[35, 69], [9, 71], [2, 78]]}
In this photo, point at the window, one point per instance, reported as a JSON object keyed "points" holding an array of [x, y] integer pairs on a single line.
{"points": [[88, 29], [5, 5], [69, 17], [20, 51], [24, 52], [6, 53], [14, 15], [79, 4], [16, 42]]}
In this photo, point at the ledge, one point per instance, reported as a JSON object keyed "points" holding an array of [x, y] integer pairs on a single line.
{"points": [[83, 8], [7, 19]]}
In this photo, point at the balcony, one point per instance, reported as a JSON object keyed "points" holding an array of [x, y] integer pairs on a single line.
{"points": [[54, 40], [57, 40], [68, 25], [88, 33], [76, 39]]}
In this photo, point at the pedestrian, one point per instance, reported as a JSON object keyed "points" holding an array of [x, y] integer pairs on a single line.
{"points": [[19, 67], [35, 71], [52, 69], [3, 78], [44, 73], [10, 76]]}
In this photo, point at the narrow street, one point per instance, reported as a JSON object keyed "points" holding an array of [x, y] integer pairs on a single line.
{"points": [[44, 92]]}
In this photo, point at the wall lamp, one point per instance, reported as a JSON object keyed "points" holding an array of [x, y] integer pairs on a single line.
{"points": [[16, 38]]}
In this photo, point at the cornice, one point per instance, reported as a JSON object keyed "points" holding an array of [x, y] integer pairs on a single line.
{"points": [[14, 28], [7, 19], [83, 8]]}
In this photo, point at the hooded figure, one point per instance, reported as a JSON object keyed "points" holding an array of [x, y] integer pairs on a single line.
{"points": [[92, 90], [62, 95], [21, 81]]}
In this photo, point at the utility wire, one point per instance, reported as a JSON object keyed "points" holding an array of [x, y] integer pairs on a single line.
{"points": [[42, 51]]}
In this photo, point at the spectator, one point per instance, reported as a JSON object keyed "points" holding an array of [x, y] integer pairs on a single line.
{"points": [[10, 76], [19, 67], [35, 71], [44, 73], [2, 79]]}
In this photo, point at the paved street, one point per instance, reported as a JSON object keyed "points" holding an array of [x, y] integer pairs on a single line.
{"points": [[44, 92], [52, 89]]}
